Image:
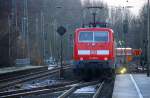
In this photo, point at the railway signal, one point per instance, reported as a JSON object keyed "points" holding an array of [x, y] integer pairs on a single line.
{"points": [[137, 52], [61, 31]]}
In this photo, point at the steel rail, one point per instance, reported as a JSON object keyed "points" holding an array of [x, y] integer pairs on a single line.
{"points": [[38, 90], [21, 76], [69, 88], [68, 92], [75, 87], [36, 76], [98, 90]]}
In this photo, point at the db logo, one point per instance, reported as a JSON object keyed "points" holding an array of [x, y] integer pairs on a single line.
{"points": [[93, 52]]}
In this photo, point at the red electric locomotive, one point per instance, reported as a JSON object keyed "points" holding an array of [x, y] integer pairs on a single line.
{"points": [[94, 51]]}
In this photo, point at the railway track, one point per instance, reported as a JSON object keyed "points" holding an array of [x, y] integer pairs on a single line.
{"points": [[31, 76], [16, 76], [64, 90], [68, 87], [37, 91], [72, 90]]}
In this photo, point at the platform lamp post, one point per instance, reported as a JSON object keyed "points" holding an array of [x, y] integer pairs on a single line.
{"points": [[61, 31], [125, 30], [148, 43]]}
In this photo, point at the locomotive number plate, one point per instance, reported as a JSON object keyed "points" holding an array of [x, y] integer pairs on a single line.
{"points": [[93, 52]]}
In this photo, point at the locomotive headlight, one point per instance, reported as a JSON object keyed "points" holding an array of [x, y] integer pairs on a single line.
{"points": [[81, 58], [105, 58]]}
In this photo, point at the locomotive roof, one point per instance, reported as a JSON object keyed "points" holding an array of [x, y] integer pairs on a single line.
{"points": [[93, 29]]}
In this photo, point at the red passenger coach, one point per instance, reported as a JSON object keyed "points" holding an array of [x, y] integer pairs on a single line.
{"points": [[94, 50]]}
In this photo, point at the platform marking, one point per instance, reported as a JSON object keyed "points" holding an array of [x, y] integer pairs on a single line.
{"points": [[136, 86]]}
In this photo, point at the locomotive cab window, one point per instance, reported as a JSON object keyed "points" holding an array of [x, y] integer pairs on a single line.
{"points": [[100, 36], [86, 36]]}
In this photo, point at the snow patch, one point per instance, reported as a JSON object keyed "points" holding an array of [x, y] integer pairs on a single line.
{"points": [[88, 89]]}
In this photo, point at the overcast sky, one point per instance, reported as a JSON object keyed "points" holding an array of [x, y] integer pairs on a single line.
{"points": [[137, 4]]}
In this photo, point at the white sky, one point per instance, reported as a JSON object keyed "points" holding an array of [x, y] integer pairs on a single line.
{"points": [[137, 4]]}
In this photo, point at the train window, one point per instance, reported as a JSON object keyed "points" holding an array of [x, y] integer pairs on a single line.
{"points": [[86, 36], [100, 36]]}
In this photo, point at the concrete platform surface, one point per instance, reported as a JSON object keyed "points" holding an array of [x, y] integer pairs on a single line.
{"points": [[132, 86], [143, 83], [13, 69]]}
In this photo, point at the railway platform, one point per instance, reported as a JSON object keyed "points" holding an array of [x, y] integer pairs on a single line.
{"points": [[131, 86]]}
